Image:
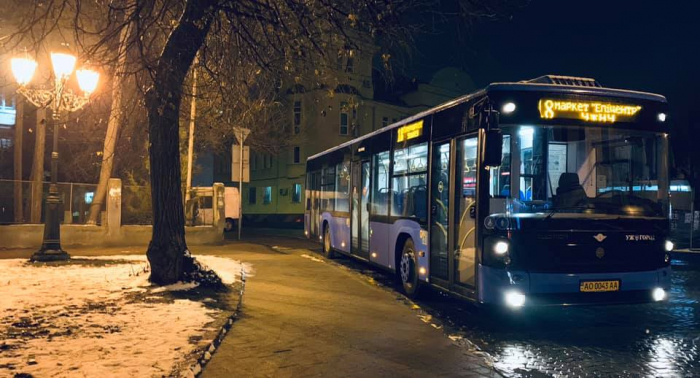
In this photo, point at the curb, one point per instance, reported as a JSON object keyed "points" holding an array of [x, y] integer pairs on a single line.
{"points": [[205, 356]]}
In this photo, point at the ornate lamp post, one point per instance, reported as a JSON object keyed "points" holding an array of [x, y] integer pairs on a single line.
{"points": [[59, 99]]}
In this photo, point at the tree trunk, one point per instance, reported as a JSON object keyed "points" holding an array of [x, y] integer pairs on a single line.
{"points": [[115, 117], [38, 166], [166, 251], [19, 136]]}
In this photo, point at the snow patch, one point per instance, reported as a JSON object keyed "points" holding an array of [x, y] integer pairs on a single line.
{"points": [[99, 316], [178, 286], [312, 258]]}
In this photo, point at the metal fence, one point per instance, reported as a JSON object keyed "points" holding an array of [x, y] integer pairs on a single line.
{"points": [[136, 205], [685, 228], [74, 208], [76, 199]]}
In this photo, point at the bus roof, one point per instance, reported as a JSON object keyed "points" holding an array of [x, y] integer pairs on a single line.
{"points": [[547, 83]]}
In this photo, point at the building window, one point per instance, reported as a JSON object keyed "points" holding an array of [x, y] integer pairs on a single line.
{"points": [[266, 161], [296, 193], [267, 196], [296, 158], [344, 117], [350, 66], [253, 161], [297, 117], [393, 120], [5, 143], [385, 121], [251, 196]]}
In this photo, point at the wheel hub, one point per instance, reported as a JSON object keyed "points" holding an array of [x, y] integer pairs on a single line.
{"points": [[405, 267]]}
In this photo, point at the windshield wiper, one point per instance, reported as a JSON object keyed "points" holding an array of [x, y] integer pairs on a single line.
{"points": [[560, 209]]}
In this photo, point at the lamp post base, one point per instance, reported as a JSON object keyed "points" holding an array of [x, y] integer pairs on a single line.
{"points": [[48, 255]]}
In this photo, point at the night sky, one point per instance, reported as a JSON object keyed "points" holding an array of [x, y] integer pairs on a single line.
{"points": [[650, 46]]}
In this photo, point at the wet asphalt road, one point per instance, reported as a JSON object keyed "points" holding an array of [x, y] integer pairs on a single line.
{"points": [[659, 339]]}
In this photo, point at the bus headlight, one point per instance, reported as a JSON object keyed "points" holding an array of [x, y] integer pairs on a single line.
{"points": [[658, 294], [515, 299], [508, 108], [668, 246], [500, 248]]}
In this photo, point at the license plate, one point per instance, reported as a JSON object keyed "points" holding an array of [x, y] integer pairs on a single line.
{"points": [[599, 286]]}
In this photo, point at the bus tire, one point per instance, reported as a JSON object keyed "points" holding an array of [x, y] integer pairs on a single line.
{"points": [[327, 247], [407, 269]]}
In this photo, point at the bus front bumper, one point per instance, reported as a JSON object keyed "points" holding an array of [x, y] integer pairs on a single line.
{"points": [[521, 288]]}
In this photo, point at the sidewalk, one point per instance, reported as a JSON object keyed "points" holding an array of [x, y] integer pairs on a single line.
{"points": [[302, 316]]}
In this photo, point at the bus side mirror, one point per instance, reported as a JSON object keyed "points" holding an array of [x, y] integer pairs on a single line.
{"points": [[493, 148]]}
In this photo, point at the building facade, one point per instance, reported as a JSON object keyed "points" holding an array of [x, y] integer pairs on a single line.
{"points": [[323, 117]]}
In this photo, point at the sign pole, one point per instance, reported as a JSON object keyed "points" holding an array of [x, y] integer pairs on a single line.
{"points": [[241, 135]]}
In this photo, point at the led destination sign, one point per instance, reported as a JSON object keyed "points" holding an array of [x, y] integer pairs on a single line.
{"points": [[589, 111], [410, 131]]}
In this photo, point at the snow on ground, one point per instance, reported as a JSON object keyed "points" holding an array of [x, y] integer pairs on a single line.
{"points": [[99, 316]]}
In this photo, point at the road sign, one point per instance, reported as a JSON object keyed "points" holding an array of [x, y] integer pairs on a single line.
{"points": [[236, 164]]}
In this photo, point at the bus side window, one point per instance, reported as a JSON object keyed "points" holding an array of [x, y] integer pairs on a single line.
{"points": [[499, 185], [380, 184]]}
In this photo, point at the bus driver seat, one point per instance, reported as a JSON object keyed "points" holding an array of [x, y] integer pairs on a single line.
{"points": [[569, 192]]}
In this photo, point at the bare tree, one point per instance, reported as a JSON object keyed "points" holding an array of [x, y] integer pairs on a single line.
{"points": [[246, 48]]}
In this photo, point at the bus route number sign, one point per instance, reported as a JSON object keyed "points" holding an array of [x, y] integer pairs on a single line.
{"points": [[589, 111], [410, 131]]}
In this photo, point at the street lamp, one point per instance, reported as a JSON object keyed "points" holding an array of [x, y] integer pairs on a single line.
{"points": [[59, 99]]}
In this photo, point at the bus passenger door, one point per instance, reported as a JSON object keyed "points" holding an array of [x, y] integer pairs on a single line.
{"points": [[314, 215], [355, 221], [360, 212], [364, 210], [439, 213], [464, 248]]}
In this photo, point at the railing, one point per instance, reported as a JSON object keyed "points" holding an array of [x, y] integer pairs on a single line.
{"points": [[77, 197], [75, 207]]}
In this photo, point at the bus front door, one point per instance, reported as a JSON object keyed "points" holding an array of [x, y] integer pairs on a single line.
{"points": [[360, 209], [464, 245], [440, 189]]}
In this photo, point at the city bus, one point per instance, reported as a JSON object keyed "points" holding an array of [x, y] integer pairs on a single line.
{"points": [[548, 191]]}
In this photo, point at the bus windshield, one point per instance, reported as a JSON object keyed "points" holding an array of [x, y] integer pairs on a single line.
{"points": [[583, 171]]}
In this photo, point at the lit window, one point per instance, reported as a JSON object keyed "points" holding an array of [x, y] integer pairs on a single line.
{"points": [[296, 193], [344, 117], [350, 66], [297, 117], [267, 195], [297, 155]]}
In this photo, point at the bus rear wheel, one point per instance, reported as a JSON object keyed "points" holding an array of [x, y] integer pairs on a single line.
{"points": [[408, 273], [327, 248]]}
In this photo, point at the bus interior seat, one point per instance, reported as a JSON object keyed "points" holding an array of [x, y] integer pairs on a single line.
{"points": [[420, 200], [569, 192]]}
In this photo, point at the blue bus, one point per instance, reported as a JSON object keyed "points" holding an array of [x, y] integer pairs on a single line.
{"points": [[548, 191]]}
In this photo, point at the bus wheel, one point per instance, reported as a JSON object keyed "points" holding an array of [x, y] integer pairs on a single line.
{"points": [[327, 249], [407, 270]]}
